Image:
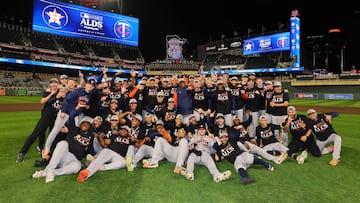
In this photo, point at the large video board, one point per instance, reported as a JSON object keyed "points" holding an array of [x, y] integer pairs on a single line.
{"points": [[77, 21], [269, 43]]}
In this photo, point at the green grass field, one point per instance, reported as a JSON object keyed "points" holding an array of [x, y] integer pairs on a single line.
{"points": [[315, 181]]}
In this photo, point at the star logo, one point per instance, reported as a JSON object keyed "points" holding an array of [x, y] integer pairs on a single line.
{"points": [[249, 46], [55, 17]]}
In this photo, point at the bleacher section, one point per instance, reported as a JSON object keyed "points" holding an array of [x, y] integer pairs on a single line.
{"points": [[23, 43]]}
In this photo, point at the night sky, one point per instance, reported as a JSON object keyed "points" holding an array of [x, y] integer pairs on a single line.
{"points": [[200, 21]]}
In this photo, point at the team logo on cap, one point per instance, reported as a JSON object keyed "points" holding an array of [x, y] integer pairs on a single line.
{"points": [[55, 17], [122, 29]]}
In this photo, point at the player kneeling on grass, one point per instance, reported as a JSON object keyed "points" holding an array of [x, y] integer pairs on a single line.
{"points": [[199, 148], [68, 153], [111, 157], [242, 160]]}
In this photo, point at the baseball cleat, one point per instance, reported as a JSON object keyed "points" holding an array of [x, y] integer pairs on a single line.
{"points": [[186, 174], [247, 181], [281, 158], [129, 165], [50, 177], [223, 176], [20, 158], [301, 158], [150, 165], [39, 174], [83, 175], [334, 162]]}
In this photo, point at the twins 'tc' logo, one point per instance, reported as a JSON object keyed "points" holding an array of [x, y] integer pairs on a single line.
{"points": [[122, 29], [282, 42]]}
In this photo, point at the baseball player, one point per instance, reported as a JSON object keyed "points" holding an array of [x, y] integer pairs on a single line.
{"points": [[200, 145], [112, 156], [325, 134], [67, 154], [302, 138], [242, 160], [52, 100], [168, 147], [266, 138], [74, 103]]}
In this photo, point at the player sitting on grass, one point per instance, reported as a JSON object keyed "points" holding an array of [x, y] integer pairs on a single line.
{"points": [[242, 160], [200, 145]]}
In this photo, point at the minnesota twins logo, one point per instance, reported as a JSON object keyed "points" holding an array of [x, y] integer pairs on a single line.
{"points": [[122, 29], [55, 17], [282, 42]]}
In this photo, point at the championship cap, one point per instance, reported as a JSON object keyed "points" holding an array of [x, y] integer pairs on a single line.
{"points": [[160, 94], [142, 82], [253, 74], [277, 84], [117, 79], [244, 76], [87, 119], [234, 78], [98, 118], [219, 115], [179, 116], [133, 100], [219, 82], [114, 101], [54, 80], [159, 122], [262, 117], [170, 99], [310, 111], [223, 133], [291, 108], [268, 82], [138, 117], [63, 77], [125, 127], [114, 118], [181, 80]]}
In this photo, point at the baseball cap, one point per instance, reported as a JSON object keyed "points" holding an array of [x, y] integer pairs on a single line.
{"points": [[86, 119], [219, 82], [117, 79], [138, 117], [151, 78], [201, 126], [223, 133], [54, 80], [63, 77], [114, 101], [310, 111], [192, 116], [268, 82], [179, 116], [170, 99], [114, 118], [181, 80], [244, 76], [98, 118], [219, 115], [159, 122], [262, 117], [161, 93], [142, 82], [252, 73], [91, 81], [291, 108], [277, 84], [234, 78], [125, 127], [133, 100]]}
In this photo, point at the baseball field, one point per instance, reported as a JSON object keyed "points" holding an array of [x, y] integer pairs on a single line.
{"points": [[314, 181]]}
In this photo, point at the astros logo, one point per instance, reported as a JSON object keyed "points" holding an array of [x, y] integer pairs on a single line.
{"points": [[55, 17], [249, 45], [122, 29], [282, 42]]}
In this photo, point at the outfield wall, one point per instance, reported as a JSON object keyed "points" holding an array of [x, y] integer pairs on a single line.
{"points": [[327, 91]]}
